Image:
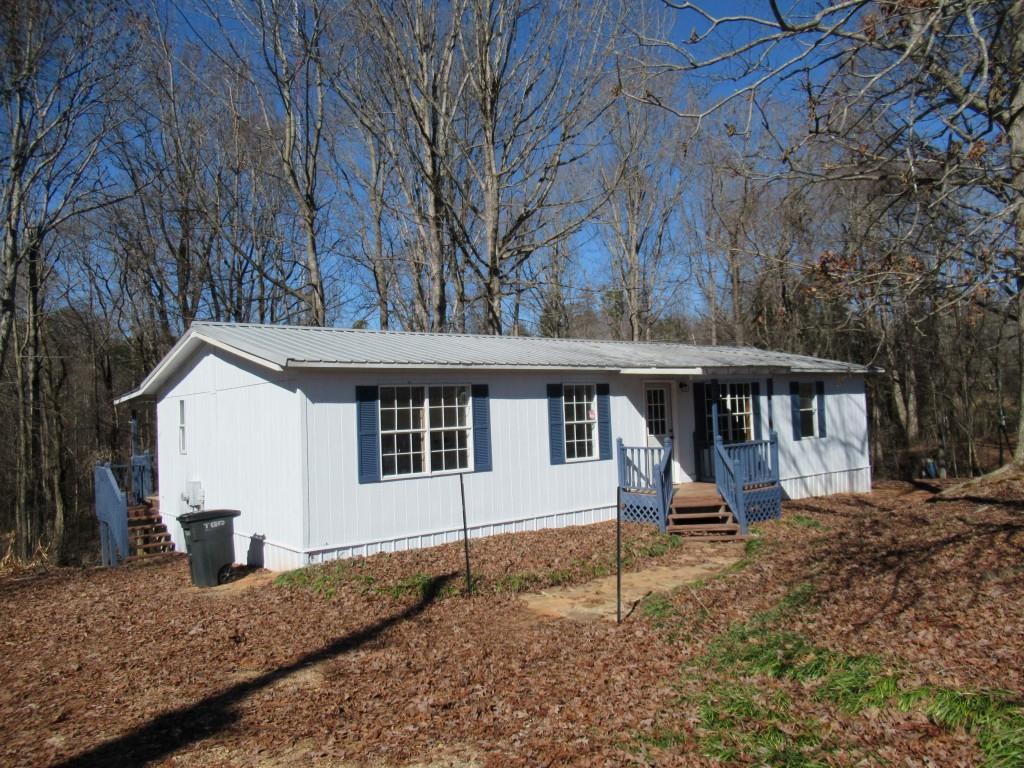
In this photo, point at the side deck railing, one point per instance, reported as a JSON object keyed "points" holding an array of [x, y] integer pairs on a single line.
{"points": [[112, 513], [645, 483], [747, 476]]}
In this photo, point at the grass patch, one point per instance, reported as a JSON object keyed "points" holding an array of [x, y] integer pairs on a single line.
{"points": [[803, 521], [558, 577], [738, 721], [658, 608], [995, 718], [418, 584], [320, 580], [657, 545]]}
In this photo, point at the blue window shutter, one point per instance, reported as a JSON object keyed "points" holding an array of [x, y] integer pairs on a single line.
{"points": [[771, 407], [755, 399], [481, 428], [794, 404], [369, 434], [700, 413], [819, 387], [556, 424], [604, 421]]}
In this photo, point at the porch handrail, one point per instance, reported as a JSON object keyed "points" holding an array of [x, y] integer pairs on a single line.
{"points": [[758, 458], [112, 512], [638, 467], [729, 479], [647, 473], [663, 482]]}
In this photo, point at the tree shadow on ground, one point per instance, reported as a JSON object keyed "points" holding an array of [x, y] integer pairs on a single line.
{"points": [[913, 568], [169, 732]]}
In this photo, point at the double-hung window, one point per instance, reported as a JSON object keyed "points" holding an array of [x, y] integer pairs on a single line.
{"points": [[580, 404], [182, 437], [808, 411], [735, 412], [424, 429]]}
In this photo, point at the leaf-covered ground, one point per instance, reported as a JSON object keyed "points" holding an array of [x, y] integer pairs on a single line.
{"points": [[871, 630]]}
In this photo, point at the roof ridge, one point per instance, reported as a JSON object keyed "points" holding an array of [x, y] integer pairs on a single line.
{"points": [[464, 335]]}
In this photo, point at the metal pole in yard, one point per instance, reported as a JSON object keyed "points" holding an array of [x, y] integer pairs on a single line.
{"points": [[618, 555], [465, 534]]}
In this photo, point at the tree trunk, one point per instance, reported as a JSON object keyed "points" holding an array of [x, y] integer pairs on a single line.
{"points": [[29, 500], [317, 308], [1015, 133]]}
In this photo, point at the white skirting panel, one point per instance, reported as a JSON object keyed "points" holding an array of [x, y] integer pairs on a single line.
{"points": [[418, 541], [257, 551], [249, 550], [827, 483]]}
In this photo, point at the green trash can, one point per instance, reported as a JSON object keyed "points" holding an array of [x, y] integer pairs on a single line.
{"points": [[210, 543]]}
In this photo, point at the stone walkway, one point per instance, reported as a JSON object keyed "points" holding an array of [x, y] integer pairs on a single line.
{"points": [[596, 599]]}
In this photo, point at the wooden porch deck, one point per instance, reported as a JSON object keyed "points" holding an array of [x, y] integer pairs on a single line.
{"points": [[688, 495]]}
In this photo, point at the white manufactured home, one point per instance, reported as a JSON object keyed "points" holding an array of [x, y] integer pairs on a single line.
{"points": [[335, 442]]}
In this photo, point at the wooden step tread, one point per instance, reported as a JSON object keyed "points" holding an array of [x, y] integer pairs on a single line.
{"points": [[159, 546], [699, 515], [708, 537], [708, 527]]}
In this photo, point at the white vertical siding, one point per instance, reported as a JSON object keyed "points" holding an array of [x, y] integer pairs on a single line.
{"points": [[523, 491], [243, 432], [840, 461], [282, 449], [837, 463]]}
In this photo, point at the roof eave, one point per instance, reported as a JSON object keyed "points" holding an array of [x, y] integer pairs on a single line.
{"points": [[191, 339]]}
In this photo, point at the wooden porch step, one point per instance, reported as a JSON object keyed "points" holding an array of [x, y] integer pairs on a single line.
{"points": [[155, 547], [690, 495], [709, 536], [156, 530], [147, 532], [695, 518], [695, 527], [151, 539]]}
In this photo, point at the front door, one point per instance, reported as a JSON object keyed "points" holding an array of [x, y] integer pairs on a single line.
{"points": [[659, 414]]}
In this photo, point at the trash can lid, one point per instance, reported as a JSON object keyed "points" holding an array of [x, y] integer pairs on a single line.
{"points": [[208, 514]]}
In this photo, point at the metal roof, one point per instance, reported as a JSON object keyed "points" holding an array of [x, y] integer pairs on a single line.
{"points": [[281, 347]]}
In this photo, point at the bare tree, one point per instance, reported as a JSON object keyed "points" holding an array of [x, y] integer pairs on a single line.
{"points": [[643, 184], [286, 50], [536, 77], [60, 68], [937, 85]]}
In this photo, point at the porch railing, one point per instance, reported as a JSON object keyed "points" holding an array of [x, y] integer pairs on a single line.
{"points": [[645, 482], [747, 476], [759, 459], [729, 480], [112, 512]]}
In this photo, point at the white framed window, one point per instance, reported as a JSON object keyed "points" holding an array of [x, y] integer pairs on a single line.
{"points": [[808, 410], [424, 429], [182, 437], [449, 427], [579, 402], [657, 411], [735, 412]]}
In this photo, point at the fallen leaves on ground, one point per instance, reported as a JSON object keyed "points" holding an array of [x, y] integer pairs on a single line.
{"points": [[119, 666]]}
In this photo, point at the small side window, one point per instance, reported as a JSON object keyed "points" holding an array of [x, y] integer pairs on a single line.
{"points": [[808, 410], [182, 444]]}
